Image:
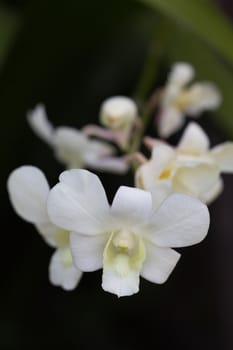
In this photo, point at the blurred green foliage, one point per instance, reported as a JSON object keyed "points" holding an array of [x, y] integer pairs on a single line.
{"points": [[201, 18], [9, 25]]}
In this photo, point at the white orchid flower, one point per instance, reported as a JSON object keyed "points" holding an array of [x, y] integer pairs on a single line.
{"points": [[179, 100], [191, 167], [128, 238], [28, 191], [73, 148]]}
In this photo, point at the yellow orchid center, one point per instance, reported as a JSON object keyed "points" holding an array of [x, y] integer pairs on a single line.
{"points": [[166, 173], [62, 237], [125, 251], [124, 242], [66, 257]]}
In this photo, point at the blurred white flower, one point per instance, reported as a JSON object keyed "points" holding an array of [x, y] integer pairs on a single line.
{"points": [[191, 167], [118, 112], [28, 191], [128, 238], [73, 148], [179, 100]]}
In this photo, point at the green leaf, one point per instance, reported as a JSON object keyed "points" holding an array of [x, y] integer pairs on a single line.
{"points": [[201, 18], [9, 24]]}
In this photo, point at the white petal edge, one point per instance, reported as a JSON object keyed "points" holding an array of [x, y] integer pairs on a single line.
{"points": [[70, 137], [169, 120], [180, 221], [87, 251], [144, 176], [48, 231], [120, 285], [195, 180], [38, 121], [70, 146], [28, 191], [147, 178], [181, 73], [203, 96], [66, 277], [159, 263], [223, 155], [194, 139], [79, 203], [160, 192], [108, 164], [131, 204], [100, 148], [213, 193], [162, 155]]}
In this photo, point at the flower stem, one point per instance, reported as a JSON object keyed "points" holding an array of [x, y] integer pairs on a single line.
{"points": [[147, 78], [151, 64]]}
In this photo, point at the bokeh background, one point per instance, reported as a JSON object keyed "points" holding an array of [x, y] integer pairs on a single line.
{"points": [[71, 55]]}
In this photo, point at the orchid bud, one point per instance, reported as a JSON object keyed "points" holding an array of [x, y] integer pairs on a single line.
{"points": [[118, 112]]}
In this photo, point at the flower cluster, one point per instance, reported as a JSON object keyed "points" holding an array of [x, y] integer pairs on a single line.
{"points": [[165, 208]]}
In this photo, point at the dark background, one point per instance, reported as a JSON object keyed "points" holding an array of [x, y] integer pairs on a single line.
{"points": [[71, 55]]}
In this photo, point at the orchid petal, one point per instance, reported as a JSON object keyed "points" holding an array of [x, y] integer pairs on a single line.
{"points": [[120, 285], [48, 231], [209, 196], [131, 204], [181, 74], [87, 251], [159, 263], [162, 155], [28, 191], [180, 221], [193, 140], [115, 165], [223, 155], [79, 203], [38, 121], [70, 146], [195, 180], [61, 274], [200, 97], [169, 121]]}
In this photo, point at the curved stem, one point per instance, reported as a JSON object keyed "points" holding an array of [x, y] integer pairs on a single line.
{"points": [[155, 53], [147, 79]]}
